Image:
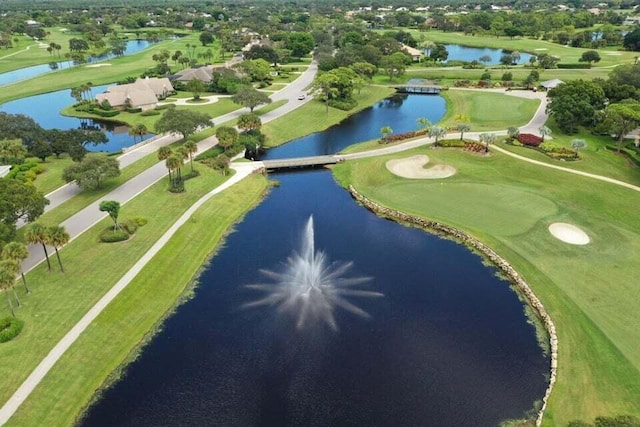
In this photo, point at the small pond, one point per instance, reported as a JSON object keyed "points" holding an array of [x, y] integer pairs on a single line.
{"points": [[400, 112], [9, 77], [45, 108], [467, 53]]}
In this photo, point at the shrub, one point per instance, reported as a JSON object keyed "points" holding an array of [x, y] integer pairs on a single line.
{"points": [[529, 139], [129, 226], [150, 113], [10, 328], [165, 107], [343, 104], [475, 147], [451, 143], [133, 110], [462, 83], [141, 221], [580, 65], [109, 235]]}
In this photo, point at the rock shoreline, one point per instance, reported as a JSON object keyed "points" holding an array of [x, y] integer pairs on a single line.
{"points": [[501, 263]]}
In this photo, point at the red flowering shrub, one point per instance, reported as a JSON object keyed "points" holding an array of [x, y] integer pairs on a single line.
{"points": [[402, 136], [529, 139]]}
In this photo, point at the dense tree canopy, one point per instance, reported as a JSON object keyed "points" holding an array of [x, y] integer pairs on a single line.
{"points": [[19, 200], [92, 171], [575, 103], [250, 97], [184, 122]]}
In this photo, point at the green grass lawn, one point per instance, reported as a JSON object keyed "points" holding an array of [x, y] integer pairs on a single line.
{"points": [[315, 117], [487, 111], [126, 322], [19, 56], [588, 290], [51, 178]]}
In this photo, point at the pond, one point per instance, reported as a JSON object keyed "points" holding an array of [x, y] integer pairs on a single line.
{"points": [[467, 53], [447, 341], [400, 112], [9, 77], [45, 110]]}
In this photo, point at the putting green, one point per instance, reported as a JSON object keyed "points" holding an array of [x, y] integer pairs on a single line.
{"points": [[514, 211]]}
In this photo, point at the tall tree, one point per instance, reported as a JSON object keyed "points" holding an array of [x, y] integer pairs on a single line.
{"points": [[437, 132], [386, 131], [462, 128], [92, 171], [249, 121], [138, 130], [111, 207], [37, 233], [488, 139], [621, 119], [174, 163], [163, 154], [196, 87], [250, 97], [424, 123], [191, 148], [18, 201], [8, 271], [57, 237], [227, 136], [17, 252], [183, 122]]}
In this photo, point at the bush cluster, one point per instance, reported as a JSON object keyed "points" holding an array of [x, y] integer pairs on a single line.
{"points": [[475, 147], [451, 143], [26, 172], [150, 113], [579, 65], [109, 235], [10, 328], [343, 104], [402, 136], [529, 139], [558, 152]]}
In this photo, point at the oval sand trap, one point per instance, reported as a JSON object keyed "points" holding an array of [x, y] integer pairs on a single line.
{"points": [[98, 65], [569, 233], [413, 168]]}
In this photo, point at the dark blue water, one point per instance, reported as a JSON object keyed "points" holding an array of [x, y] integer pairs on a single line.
{"points": [[9, 77], [466, 53], [448, 344], [45, 110], [400, 112]]}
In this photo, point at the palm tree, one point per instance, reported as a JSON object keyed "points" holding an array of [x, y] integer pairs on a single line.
{"points": [[163, 154], [437, 132], [57, 237], [487, 138], [37, 233], [191, 148], [462, 128], [544, 131], [174, 163], [424, 123], [513, 132], [385, 131], [8, 271], [138, 130], [17, 252]]}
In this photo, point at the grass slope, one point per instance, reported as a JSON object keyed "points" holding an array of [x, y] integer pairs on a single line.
{"points": [[588, 290], [60, 300], [487, 111], [125, 323]]}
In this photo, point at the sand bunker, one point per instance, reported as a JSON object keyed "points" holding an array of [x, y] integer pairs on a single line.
{"points": [[613, 53], [413, 168], [541, 48], [569, 233], [98, 65]]}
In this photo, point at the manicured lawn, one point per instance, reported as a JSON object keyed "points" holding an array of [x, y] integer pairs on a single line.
{"points": [[59, 300], [126, 322], [34, 55], [85, 198], [315, 117], [51, 178], [589, 290], [486, 110]]}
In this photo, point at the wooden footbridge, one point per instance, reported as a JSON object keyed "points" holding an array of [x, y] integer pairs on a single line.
{"points": [[419, 89], [300, 162]]}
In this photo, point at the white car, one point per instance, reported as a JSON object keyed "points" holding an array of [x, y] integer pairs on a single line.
{"points": [[302, 96]]}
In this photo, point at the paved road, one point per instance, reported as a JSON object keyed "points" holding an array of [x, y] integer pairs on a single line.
{"points": [[90, 215]]}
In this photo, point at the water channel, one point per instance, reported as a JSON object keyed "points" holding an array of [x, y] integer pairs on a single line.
{"points": [[14, 76], [447, 344], [45, 110]]}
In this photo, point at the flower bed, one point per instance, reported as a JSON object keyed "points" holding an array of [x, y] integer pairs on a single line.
{"points": [[529, 139], [475, 147], [402, 136]]}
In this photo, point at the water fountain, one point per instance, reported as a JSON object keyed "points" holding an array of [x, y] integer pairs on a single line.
{"points": [[310, 287]]}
